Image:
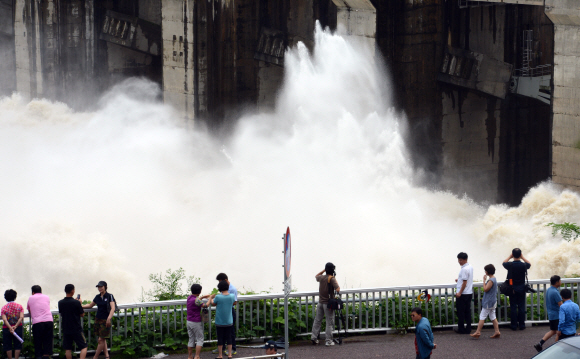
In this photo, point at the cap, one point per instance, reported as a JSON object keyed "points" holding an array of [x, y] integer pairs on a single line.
{"points": [[270, 344], [101, 284]]}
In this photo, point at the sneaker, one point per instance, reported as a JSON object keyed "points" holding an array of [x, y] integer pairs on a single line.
{"points": [[329, 344], [234, 352], [314, 341], [215, 351], [538, 347]]}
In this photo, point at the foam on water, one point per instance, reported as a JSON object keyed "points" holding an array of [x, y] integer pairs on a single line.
{"points": [[128, 190]]}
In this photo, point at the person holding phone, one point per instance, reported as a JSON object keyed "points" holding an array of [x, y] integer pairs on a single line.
{"points": [[71, 310], [105, 303]]}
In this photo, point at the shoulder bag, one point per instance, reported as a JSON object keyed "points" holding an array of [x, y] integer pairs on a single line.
{"points": [[333, 303], [506, 288]]}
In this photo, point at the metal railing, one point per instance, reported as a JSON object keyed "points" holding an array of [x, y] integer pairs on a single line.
{"points": [[366, 310]]}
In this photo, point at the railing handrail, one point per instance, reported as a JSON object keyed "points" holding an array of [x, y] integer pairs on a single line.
{"points": [[251, 297]]}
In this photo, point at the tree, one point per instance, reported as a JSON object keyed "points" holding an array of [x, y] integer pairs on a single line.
{"points": [[168, 286], [569, 231]]}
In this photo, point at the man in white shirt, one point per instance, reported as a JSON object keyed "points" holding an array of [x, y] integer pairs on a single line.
{"points": [[464, 295]]}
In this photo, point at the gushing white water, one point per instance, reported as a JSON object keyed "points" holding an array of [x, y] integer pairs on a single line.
{"points": [[128, 190]]}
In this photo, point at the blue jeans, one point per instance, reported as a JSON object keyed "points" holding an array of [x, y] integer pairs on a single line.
{"points": [[518, 310]]}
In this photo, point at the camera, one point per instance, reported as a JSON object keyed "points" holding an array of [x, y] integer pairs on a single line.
{"points": [[529, 289]]}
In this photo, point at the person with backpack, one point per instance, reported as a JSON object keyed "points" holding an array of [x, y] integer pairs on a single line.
{"points": [[328, 283], [106, 306], [517, 272]]}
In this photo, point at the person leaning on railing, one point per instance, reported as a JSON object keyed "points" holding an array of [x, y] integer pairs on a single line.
{"points": [[105, 303], [12, 316], [42, 322]]}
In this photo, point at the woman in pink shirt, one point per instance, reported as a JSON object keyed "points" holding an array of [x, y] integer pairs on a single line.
{"points": [[12, 315], [42, 322]]}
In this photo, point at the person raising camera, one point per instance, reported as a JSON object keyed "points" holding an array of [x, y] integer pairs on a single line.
{"points": [[322, 310], [517, 270]]}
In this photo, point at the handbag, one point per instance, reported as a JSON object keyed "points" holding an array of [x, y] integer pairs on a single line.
{"points": [[506, 288], [333, 303]]}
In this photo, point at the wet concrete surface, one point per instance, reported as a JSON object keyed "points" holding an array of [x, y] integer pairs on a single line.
{"points": [[512, 344]]}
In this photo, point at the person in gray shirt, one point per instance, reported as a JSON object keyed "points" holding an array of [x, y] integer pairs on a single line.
{"points": [[489, 302]]}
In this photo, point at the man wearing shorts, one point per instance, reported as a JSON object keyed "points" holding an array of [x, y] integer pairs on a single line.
{"points": [[71, 311], [553, 303], [224, 320]]}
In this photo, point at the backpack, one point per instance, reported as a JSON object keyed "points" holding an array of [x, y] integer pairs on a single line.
{"points": [[117, 310]]}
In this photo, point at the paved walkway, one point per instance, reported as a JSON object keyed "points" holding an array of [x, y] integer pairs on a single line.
{"points": [[511, 345]]}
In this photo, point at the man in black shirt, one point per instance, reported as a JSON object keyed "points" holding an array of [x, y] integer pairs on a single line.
{"points": [[71, 311], [517, 274]]}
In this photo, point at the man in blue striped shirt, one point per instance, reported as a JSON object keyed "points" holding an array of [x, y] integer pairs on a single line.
{"points": [[569, 315]]}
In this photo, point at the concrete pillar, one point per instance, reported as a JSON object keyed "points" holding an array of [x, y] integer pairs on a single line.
{"points": [[565, 15], [177, 31], [7, 58], [28, 49], [357, 18]]}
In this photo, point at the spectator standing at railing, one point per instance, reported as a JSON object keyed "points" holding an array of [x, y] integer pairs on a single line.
{"points": [[464, 295], [322, 309], [12, 316], [424, 344], [106, 304], [234, 291], [224, 320], [553, 302], [569, 316], [489, 302], [194, 323], [42, 322], [517, 270], [71, 310]]}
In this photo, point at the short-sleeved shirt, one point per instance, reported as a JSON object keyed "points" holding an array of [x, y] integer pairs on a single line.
{"points": [[70, 311], [518, 271], [194, 308], [465, 275], [323, 294], [223, 311], [12, 312], [552, 299], [234, 291], [569, 316], [39, 308], [103, 305]]}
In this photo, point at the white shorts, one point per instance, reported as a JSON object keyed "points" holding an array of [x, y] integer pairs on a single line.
{"points": [[485, 312]]}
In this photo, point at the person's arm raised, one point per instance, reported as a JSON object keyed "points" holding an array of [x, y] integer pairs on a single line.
{"points": [[320, 273], [508, 258], [488, 286]]}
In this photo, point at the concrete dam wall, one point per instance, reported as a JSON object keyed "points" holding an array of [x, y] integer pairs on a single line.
{"points": [[489, 88]]}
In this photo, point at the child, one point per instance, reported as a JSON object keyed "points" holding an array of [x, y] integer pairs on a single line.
{"points": [[489, 302], [194, 323], [224, 320]]}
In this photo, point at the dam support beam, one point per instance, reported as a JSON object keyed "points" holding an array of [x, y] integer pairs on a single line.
{"points": [[566, 94]]}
